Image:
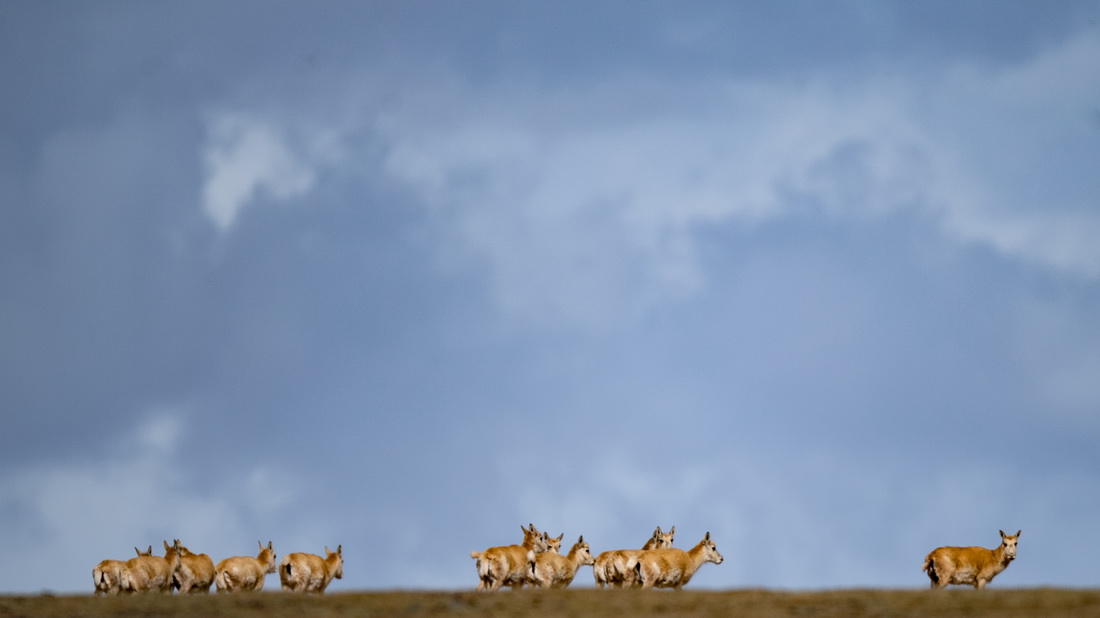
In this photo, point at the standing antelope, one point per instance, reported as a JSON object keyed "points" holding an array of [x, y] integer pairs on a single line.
{"points": [[148, 573], [673, 568], [509, 565], [300, 572], [611, 569], [245, 573], [196, 572], [107, 575], [974, 566], [552, 570]]}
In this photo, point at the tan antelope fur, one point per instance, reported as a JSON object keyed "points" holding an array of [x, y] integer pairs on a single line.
{"points": [[245, 573], [552, 570], [148, 573], [310, 573], [509, 565], [195, 574], [969, 566], [671, 567], [553, 544], [107, 575], [610, 568]]}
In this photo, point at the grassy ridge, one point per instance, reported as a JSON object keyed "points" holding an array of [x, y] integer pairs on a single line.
{"points": [[1005, 603]]}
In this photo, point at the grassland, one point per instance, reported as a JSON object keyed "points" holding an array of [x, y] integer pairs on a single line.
{"points": [[1002, 603]]}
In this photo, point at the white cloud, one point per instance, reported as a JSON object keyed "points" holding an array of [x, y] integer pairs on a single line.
{"points": [[93, 511], [1016, 153], [593, 216], [245, 155], [585, 203], [1061, 241], [598, 223]]}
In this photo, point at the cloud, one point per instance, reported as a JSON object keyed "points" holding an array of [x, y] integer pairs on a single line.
{"points": [[138, 496], [595, 224], [1016, 154], [244, 156], [586, 203], [1059, 241]]}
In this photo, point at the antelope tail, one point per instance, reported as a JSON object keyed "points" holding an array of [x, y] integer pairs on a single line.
{"points": [[484, 568], [930, 568]]}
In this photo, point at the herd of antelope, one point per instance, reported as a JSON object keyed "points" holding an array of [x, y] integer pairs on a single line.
{"points": [[190, 573], [537, 561]]}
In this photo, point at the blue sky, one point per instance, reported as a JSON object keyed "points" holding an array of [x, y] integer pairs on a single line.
{"points": [[820, 278]]}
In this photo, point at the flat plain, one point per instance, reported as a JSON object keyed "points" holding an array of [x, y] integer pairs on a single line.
{"points": [[1001, 603]]}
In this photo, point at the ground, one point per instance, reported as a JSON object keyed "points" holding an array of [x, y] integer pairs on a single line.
{"points": [[1002, 603]]}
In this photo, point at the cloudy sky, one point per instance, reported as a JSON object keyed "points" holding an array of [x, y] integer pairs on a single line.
{"points": [[821, 278]]}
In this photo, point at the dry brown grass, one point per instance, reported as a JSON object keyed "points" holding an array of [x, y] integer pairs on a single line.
{"points": [[1002, 603]]}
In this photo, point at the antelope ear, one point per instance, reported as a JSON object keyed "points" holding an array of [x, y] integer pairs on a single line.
{"points": [[340, 550], [1003, 535], [707, 537], [580, 539], [1018, 533], [561, 536], [672, 530]]}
